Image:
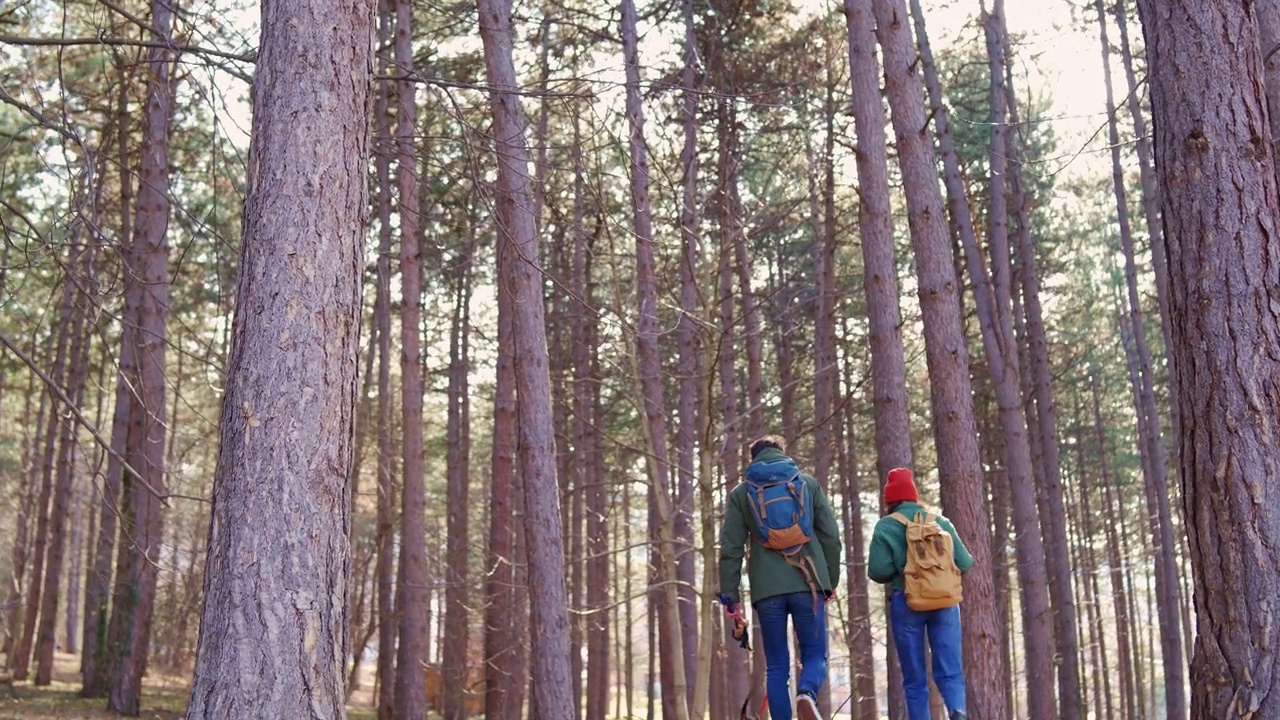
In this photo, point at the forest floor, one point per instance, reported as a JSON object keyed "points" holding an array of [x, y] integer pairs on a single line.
{"points": [[163, 698]]}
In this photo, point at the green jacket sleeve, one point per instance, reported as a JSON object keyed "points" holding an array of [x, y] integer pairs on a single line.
{"points": [[733, 541], [828, 533], [880, 565], [964, 560]]}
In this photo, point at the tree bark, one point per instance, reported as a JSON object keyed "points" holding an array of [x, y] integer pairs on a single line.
{"points": [[458, 471], [30, 491], [388, 619], [677, 617], [20, 657], [992, 296], [959, 464], [1267, 13], [858, 629], [136, 581], [273, 631], [78, 361], [591, 482], [506, 619], [95, 657], [551, 683], [1149, 420], [1038, 372], [412, 593], [1215, 162]]}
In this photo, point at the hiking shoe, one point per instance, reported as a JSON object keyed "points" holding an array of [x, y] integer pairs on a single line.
{"points": [[958, 715], [807, 707]]}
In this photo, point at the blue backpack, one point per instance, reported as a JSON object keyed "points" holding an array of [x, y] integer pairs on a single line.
{"points": [[780, 505]]}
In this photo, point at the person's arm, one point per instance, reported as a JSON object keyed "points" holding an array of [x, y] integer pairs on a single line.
{"points": [[828, 532], [880, 565], [733, 540], [964, 560]]}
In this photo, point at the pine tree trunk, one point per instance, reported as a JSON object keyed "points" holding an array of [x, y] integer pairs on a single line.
{"points": [[1149, 424], [586, 442], [506, 621], [388, 620], [20, 658], [136, 581], [412, 593], [992, 296], [458, 470], [1267, 14], [1151, 199], [78, 360], [551, 683], [884, 314], [75, 566], [95, 656], [1038, 371], [959, 464], [678, 618], [274, 629], [1115, 562], [1216, 169], [858, 630], [29, 491]]}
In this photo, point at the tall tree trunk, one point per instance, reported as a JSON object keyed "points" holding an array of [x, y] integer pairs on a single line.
{"points": [[875, 228], [992, 296], [551, 683], [1267, 14], [136, 582], [858, 630], [75, 566], [586, 442], [691, 373], [412, 593], [20, 658], [1221, 246], [388, 620], [506, 620], [29, 492], [1053, 514], [78, 360], [1151, 195], [273, 632], [1101, 658], [1149, 420], [678, 617], [96, 656], [1115, 562], [1160, 263], [959, 463], [458, 470]]}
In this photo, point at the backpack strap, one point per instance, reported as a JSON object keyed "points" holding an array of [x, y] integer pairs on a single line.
{"points": [[900, 518]]}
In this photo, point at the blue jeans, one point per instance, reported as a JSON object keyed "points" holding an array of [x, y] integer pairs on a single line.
{"points": [[943, 629], [811, 633]]}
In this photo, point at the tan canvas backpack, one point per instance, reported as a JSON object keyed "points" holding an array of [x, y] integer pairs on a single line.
{"points": [[931, 578]]}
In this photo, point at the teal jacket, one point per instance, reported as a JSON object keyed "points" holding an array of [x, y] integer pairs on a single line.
{"points": [[768, 572], [888, 554]]}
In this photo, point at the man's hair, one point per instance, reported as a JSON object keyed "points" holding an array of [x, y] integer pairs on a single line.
{"points": [[768, 441]]}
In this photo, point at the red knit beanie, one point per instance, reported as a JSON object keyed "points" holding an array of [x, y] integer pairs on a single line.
{"points": [[901, 487]]}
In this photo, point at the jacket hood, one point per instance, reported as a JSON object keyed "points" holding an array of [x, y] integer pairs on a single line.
{"points": [[771, 466]]}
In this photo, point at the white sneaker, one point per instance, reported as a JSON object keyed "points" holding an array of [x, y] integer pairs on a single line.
{"points": [[806, 708]]}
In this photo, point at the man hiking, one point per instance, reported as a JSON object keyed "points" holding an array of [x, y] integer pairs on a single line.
{"points": [[793, 568], [918, 552]]}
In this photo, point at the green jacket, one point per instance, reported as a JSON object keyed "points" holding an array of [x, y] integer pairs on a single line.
{"points": [[888, 555], [768, 571]]}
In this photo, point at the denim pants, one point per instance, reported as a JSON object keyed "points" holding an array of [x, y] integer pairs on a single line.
{"points": [[943, 630], [811, 634]]}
